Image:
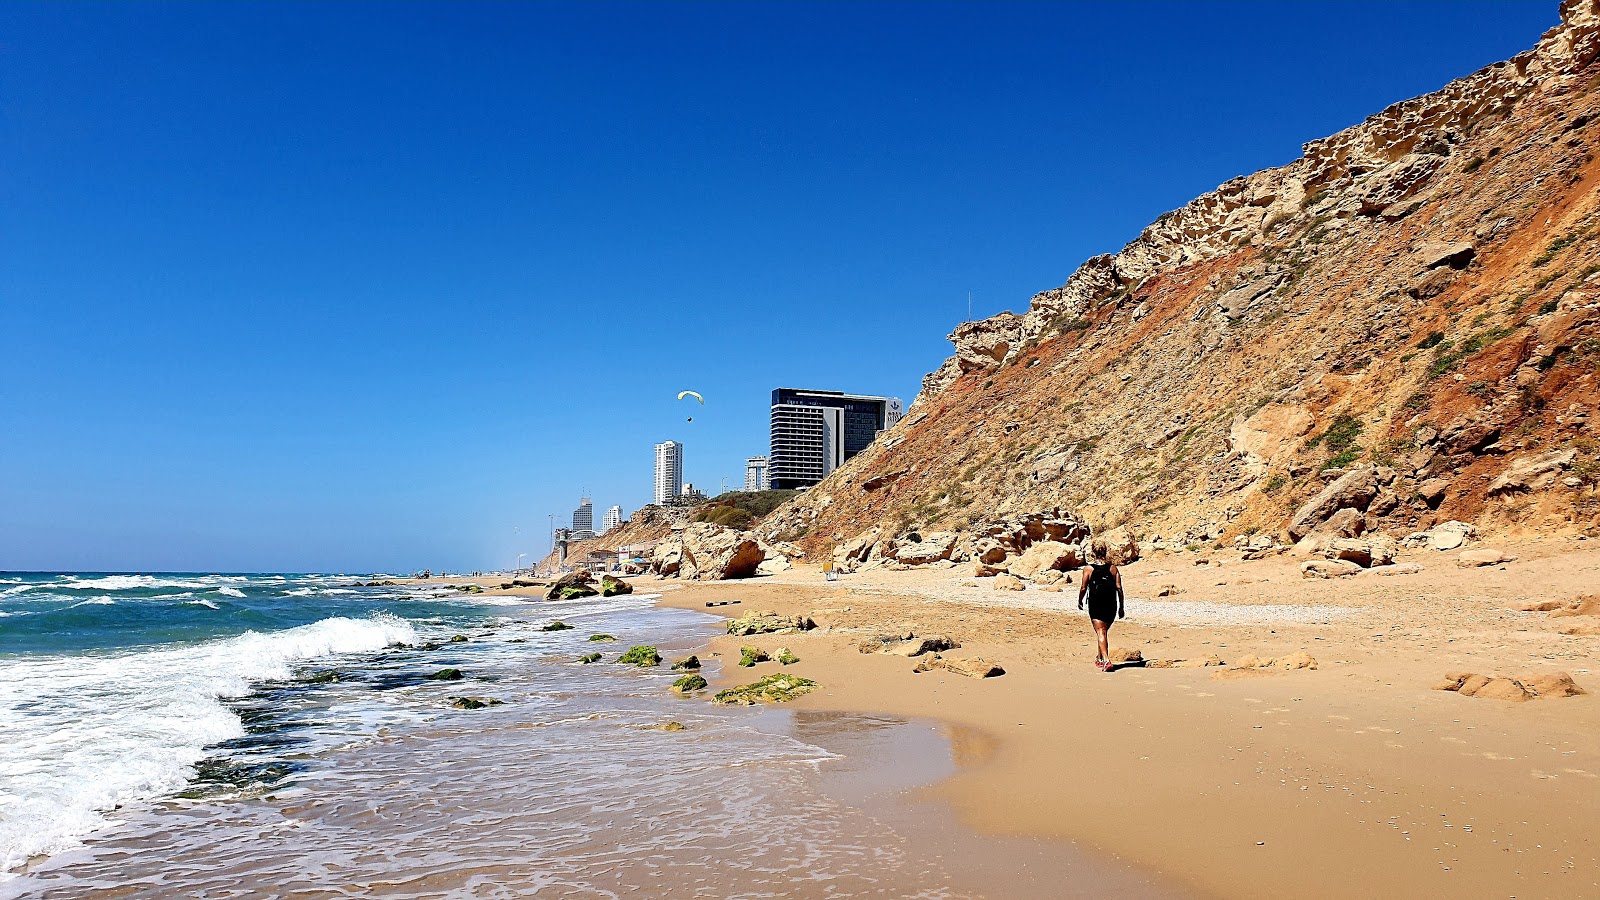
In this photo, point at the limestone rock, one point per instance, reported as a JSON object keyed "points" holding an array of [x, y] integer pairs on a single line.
{"points": [[1328, 568], [611, 586], [571, 586], [1470, 559], [1532, 472], [1354, 489], [1008, 583], [1045, 556], [1587, 605], [1123, 546], [972, 667], [932, 548], [1364, 552], [768, 622], [1122, 655], [1533, 686]]}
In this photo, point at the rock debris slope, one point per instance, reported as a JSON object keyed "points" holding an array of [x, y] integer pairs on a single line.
{"points": [[1407, 311]]}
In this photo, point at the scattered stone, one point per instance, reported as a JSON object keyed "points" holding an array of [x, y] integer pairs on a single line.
{"points": [[1122, 656], [972, 667], [642, 655], [688, 684], [1004, 582], [1328, 568], [589, 658], [1536, 686], [474, 702], [459, 639], [601, 638], [446, 675], [749, 656], [611, 586], [1471, 559], [687, 664], [1297, 660], [557, 625], [779, 687], [1587, 605], [768, 622], [1199, 662], [786, 657], [1169, 590]]}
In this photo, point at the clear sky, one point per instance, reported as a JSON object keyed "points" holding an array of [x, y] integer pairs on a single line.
{"points": [[356, 287]]}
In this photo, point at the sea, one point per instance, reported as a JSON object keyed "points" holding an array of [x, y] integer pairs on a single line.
{"points": [[279, 735]]}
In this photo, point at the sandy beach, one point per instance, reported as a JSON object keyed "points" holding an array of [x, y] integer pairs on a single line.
{"points": [[1355, 778]]}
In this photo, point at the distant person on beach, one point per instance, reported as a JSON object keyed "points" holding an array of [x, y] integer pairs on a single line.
{"points": [[1102, 584]]}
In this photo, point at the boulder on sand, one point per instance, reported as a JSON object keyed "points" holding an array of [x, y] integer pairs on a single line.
{"points": [[1352, 490], [1124, 547], [1587, 605], [932, 548], [1472, 559], [611, 586], [1533, 686], [1328, 568], [716, 553], [768, 622], [972, 667], [1005, 582], [1364, 552], [1045, 556], [571, 586]]}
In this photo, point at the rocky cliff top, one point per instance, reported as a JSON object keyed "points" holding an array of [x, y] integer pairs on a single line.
{"points": [[1417, 293]]}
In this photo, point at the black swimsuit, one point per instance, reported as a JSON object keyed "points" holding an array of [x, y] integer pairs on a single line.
{"points": [[1102, 594]]}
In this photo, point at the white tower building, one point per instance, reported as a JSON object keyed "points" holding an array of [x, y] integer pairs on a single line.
{"points": [[669, 471]]}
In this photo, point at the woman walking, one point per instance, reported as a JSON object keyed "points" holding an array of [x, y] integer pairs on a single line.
{"points": [[1102, 584]]}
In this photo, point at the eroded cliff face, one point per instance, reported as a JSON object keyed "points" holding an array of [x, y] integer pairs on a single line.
{"points": [[1418, 293]]}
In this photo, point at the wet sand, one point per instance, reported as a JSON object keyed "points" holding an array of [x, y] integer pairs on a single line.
{"points": [[1353, 779]]}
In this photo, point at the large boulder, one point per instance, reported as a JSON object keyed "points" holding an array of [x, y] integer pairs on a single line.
{"points": [[1444, 536], [1123, 546], [1045, 556], [611, 586], [1354, 489], [932, 548], [709, 552], [1364, 552], [1530, 472], [571, 586]]}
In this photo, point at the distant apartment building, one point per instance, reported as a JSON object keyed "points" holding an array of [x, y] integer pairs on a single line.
{"points": [[583, 520], [669, 472], [613, 518], [813, 432], [755, 474]]}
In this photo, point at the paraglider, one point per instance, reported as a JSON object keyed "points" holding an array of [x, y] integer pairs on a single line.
{"points": [[694, 394]]}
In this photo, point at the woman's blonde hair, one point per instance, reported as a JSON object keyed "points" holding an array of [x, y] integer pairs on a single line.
{"points": [[1099, 551]]}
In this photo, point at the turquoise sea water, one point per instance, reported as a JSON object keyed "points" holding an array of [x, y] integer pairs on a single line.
{"points": [[198, 734]]}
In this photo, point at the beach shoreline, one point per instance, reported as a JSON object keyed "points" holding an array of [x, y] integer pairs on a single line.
{"points": [[1235, 781]]}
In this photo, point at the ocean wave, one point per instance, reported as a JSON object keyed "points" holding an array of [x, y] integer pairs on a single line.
{"points": [[16, 590], [94, 601], [202, 602], [230, 592], [298, 592], [86, 734], [123, 583]]}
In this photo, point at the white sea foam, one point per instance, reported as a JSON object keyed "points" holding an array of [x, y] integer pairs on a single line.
{"points": [[94, 601], [124, 583], [298, 592], [85, 734], [16, 590], [230, 592], [202, 602]]}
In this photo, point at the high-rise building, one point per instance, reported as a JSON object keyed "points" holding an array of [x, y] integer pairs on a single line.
{"points": [[583, 520], [613, 517], [755, 474], [813, 432], [669, 472]]}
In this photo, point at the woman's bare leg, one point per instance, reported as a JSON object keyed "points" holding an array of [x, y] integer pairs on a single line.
{"points": [[1103, 650]]}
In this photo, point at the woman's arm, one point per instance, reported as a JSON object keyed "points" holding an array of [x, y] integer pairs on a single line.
{"points": [[1083, 584], [1122, 612]]}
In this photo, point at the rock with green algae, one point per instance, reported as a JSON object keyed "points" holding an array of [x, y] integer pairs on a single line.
{"points": [[474, 702], [688, 663], [459, 639], [602, 638], [775, 688], [557, 626], [611, 587], [749, 656], [688, 684], [589, 658], [768, 622], [446, 675], [570, 592], [786, 657], [327, 676], [672, 726], [642, 656]]}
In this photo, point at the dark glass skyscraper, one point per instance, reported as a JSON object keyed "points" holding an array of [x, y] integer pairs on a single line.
{"points": [[814, 431]]}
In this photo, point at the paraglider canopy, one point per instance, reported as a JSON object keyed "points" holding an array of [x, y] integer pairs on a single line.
{"points": [[694, 394]]}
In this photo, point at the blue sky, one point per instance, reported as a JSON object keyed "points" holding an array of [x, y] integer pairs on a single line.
{"points": [[354, 287]]}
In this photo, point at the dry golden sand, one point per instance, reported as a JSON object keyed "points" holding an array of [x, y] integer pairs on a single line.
{"points": [[1355, 779]]}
